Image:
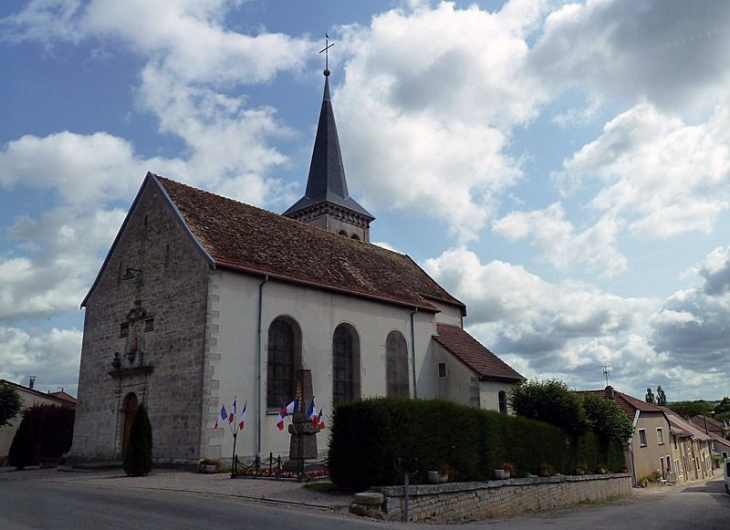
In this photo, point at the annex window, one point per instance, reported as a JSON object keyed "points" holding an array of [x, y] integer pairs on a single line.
{"points": [[642, 437], [442, 370], [660, 436], [345, 364], [284, 357], [502, 402], [396, 369]]}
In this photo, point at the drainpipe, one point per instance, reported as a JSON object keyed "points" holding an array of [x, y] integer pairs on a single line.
{"points": [[258, 368], [413, 353]]}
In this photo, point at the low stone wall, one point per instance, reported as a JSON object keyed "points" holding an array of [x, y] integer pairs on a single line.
{"points": [[469, 501]]}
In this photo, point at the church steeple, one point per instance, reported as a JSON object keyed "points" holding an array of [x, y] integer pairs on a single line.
{"points": [[327, 203]]}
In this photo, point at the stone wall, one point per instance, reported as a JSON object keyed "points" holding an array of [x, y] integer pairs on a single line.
{"points": [[468, 501], [172, 288]]}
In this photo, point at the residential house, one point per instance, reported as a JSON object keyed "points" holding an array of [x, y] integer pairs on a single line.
{"points": [[29, 397], [691, 451], [648, 450]]}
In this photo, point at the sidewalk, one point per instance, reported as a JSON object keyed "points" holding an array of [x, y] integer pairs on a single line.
{"points": [[658, 489], [218, 484]]}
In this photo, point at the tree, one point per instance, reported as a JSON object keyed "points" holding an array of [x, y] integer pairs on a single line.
{"points": [[661, 397], [722, 410], [138, 459], [10, 404], [687, 409], [649, 396], [551, 402], [607, 419], [22, 448]]}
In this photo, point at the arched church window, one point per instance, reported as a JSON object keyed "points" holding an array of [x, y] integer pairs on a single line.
{"points": [[355, 237], [396, 361], [342, 233], [345, 364], [502, 401], [284, 357]]}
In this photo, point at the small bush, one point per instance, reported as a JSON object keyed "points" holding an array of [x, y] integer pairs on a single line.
{"points": [[22, 449]]}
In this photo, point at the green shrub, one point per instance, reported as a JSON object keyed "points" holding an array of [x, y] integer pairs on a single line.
{"points": [[373, 442], [22, 448], [138, 458]]}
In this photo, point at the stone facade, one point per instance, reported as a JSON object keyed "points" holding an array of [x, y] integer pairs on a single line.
{"points": [[172, 288], [470, 501]]}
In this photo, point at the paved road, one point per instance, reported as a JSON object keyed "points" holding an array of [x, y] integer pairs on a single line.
{"points": [[704, 506], [32, 504], [42, 499]]}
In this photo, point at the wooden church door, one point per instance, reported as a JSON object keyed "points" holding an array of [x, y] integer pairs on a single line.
{"points": [[130, 411]]}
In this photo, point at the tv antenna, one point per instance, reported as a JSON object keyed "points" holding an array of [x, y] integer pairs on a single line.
{"points": [[606, 372]]}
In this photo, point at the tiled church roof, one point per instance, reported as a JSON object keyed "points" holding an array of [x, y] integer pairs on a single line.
{"points": [[246, 238], [473, 354]]}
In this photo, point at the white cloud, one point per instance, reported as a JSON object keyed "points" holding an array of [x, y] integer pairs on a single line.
{"points": [[560, 245], [445, 86], [52, 356], [674, 54], [665, 177]]}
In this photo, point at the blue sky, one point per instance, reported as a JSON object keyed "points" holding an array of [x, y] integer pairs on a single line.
{"points": [[562, 168]]}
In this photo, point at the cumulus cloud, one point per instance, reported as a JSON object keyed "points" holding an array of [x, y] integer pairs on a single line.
{"points": [[51, 356], [664, 176], [559, 244], [693, 324], [674, 54], [568, 329], [447, 99]]}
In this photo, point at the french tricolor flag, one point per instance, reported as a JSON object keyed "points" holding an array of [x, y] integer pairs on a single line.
{"points": [[223, 416], [232, 415], [242, 420], [312, 413]]}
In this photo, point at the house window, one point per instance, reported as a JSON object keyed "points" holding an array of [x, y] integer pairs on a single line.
{"points": [[642, 437], [345, 364], [660, 436], [442, 370], [284, 356], [502, 401], [396, 370]]}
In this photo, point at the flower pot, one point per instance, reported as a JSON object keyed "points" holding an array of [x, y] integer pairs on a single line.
{"points": [[579, 471], [501, 474], [434, 477], [209, 468]]}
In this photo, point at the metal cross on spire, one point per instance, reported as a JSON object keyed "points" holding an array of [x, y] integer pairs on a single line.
{"points": [[326, 48]]}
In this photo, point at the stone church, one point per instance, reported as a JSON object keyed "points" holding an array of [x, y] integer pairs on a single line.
{"points": [[202, 299]]}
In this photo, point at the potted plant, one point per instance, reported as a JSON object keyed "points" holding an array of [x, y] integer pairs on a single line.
{"points": [[547, 470], [446, 472], [209, 465], [601, 469], [581, 469], [505, 470]]}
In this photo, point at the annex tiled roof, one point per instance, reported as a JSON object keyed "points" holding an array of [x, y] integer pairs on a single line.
{"points": [[711, 424], [472, 353], [61, 396], [246, 238], [627, 403], [683, 427]]}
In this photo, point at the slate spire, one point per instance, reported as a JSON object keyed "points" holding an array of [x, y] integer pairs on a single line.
{"points": [[327, 202]]}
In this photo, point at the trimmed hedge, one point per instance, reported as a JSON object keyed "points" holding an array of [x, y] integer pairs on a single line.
{"points": [[44, 434], [373, 442]]}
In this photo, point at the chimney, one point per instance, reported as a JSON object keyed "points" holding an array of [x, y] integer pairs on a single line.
{"points": [[32, 382], [609, 393]]}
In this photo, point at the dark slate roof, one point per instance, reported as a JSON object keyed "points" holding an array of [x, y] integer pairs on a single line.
{"points": [[242, 237], [326, 182], [471, 352]]}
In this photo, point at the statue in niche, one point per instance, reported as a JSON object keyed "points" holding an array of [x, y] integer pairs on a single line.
{"points": [[136, 327]]}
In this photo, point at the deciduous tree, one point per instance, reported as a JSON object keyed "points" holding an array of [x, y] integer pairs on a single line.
{"points": [[10, 403]]}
